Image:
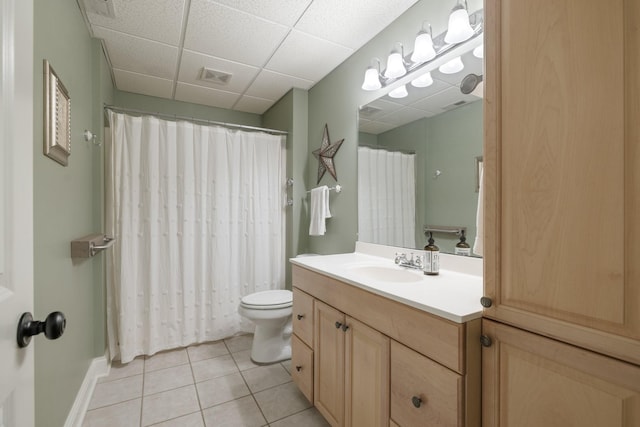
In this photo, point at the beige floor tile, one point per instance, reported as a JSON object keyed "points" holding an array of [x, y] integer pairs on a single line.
{"points": [[169, 404], [243, 360], [286, 365], [213, 368], [221, 389], [166, 359], [119, 370], [264, 377], [281, 401], [125, 414], [191, 420], [207, 351], [239, 343], [307, 418], [241, 412], [167, 379], [110, 392]]}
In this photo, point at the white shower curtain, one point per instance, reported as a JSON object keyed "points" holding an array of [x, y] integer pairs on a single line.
{"points": [[386, 197], [198, 217]]}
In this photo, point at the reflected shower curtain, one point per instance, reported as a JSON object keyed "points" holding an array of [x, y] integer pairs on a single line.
{"points": [[197, 213], [386, 197]]}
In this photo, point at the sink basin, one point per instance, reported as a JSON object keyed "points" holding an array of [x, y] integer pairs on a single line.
{"points": [[387, 274]]}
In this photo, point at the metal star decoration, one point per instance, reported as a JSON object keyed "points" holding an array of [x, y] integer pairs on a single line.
{"points": [[325, 155]]}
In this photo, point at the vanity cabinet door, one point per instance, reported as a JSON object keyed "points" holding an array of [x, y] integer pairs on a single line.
{"points": [[532, 381], [328, 358], [562, 170], [367, 376]]}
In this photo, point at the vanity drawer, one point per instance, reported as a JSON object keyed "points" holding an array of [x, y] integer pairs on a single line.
{"points": [[423, 392], [302, 367], [303, 316]]}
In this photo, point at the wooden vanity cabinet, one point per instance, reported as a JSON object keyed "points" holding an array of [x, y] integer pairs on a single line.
{"points": [[562, 212], [373, 355], [302, 343]]}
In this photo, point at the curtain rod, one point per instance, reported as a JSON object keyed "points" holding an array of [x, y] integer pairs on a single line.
{"points": [[194, 120]]}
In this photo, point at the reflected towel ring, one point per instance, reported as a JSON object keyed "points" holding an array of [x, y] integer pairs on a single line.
{"points": [[437, 174]]}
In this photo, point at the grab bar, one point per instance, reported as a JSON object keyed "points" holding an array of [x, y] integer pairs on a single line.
{"points": [[457, 230]]}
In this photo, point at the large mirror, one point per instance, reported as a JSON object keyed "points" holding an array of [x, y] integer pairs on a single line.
{"points": [[419, 160]]}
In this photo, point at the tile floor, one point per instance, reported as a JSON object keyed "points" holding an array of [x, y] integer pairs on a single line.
{"points": [[213, 384]]}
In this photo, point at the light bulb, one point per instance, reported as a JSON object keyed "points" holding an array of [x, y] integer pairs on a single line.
{"points": [[478, 52], [399, 92], [459, 28], [423, 50], [452, 67], [424, 80], [371, 79], [395, 66]]}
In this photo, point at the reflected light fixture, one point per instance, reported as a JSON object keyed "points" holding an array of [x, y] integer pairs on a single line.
{"points": [[399, 92], [423, 50], [452, 67], [478, 52], [459, 28], [395, 64], [424, 80], [372, 78]]}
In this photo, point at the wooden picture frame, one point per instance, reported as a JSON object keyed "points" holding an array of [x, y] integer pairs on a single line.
{"points": [[57, 117]]}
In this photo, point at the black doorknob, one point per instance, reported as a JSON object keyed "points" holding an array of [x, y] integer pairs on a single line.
{"points": [[53, 327]]}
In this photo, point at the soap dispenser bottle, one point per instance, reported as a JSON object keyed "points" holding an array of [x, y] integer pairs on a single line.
{"points": [[462, 247], [431, 264]]}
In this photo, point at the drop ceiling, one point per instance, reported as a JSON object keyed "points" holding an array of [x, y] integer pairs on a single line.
{"points": [[260, 49]]}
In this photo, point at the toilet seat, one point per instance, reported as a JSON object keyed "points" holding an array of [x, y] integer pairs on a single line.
{"points": [[268, 300]]}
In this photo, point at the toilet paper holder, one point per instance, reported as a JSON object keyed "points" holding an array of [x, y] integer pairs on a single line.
{"points": [[88, 246]]}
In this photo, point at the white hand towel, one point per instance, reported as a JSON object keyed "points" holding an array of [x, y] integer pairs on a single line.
{"points": [[319, 211], [478, 245]]}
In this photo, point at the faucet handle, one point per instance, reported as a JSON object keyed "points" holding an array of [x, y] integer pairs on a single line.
{"points": [[418, 261], [400, 256]]}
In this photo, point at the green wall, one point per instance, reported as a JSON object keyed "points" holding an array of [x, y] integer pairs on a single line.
{"points": [[448, 142], [335, 100], [67, 205]]}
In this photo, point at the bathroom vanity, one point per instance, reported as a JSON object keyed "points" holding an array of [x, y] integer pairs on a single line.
{"points": [[378, 345]]}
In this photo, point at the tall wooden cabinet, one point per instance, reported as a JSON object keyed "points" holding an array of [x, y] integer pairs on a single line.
{"points": [[562, 203]]}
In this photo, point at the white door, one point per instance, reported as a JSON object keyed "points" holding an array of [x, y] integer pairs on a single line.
{"points": [[16, 209]]}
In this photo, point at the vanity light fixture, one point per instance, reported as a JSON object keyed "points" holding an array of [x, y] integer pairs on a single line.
{"points": [[423, 50], [478, 52], [399, 92], [372, 77], [452, 67], [424, 80], [459, 28], [395, 64]]}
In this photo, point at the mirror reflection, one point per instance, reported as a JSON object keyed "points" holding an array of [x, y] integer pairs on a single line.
{"points": [[419, 159]]}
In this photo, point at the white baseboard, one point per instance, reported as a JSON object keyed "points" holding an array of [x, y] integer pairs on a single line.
{"points": [[99, 367]]}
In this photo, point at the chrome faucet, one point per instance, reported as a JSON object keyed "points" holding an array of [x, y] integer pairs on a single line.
{"points": [[414, 262]]}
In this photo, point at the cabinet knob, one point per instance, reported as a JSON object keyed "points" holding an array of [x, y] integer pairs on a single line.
{"points": [[300, 316], [486, 341], [417, 402], [345, 327], [486, 302], [298, 368], [338, 325]]}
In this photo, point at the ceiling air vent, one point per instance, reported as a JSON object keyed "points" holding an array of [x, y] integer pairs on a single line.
{"points": [[100, 7], [368, 111], [454, 105], [214, 76]]}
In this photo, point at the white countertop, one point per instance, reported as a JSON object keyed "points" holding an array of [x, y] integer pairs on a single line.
{"points": [[454, 294]]}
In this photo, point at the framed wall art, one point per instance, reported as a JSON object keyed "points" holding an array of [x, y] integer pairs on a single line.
{"points": [[57, 117]]}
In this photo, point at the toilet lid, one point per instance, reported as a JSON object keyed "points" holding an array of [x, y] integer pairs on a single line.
{"points": [[269, 299]]}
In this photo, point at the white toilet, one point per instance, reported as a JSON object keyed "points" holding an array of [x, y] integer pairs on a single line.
{"points": [[271, 312]]}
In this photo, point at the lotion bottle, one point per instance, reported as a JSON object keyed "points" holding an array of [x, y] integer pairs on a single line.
{"points": [[431, 264], [462, 247]]}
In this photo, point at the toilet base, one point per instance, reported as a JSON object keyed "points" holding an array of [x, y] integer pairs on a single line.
{"points": [[271, 342]]}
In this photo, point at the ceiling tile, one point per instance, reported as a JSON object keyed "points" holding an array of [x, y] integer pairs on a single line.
{"points": [[159, 20], [375, 128], [140, 83], [350, 23], [139, 55], [405, 115], [286, 12], [307, 57], [442, 101], [251, 104], [272, 85], [205, 96], [227, 33], [193, 62]]}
